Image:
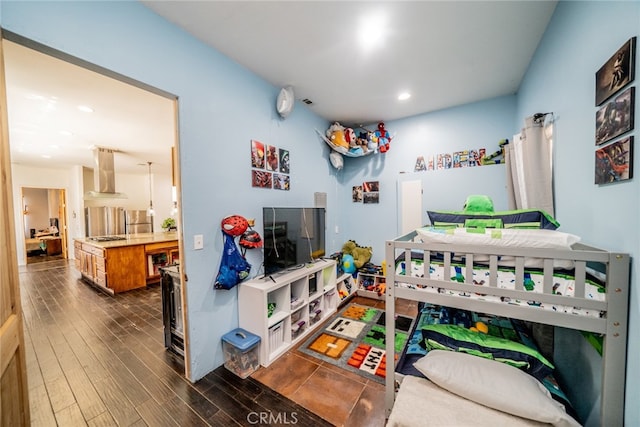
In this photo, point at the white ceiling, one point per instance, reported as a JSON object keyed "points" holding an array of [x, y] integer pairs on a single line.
{"points": [[43, 94], [443, 53]]}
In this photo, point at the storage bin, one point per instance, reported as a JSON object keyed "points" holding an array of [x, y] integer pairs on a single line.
{"points": [[276, 336], [241, 352]]}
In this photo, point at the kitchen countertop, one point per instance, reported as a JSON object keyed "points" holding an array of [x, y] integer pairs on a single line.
{"points": [[133, 239]]}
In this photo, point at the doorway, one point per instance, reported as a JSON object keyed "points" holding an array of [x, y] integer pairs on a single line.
{"points": [[44, 224], [61, 109]]}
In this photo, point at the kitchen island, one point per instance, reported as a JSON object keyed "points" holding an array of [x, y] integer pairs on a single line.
{"points": [[131, 262]]}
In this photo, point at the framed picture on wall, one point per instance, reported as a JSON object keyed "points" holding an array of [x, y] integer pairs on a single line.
{"points": [[615, 117], [614, 162], [616, 72]]}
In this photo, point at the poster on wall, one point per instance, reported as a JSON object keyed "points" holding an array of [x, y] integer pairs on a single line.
{"points": [[420, 165], [257, 154], [270, 166], [272, 158], [356, 194], [371, 192], [615, 117], [261, 179], [616, 72], [281, 181], [614, 162], [284, 161]]}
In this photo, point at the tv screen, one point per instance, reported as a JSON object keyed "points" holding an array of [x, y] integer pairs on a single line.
{"points": [[292, 237]]}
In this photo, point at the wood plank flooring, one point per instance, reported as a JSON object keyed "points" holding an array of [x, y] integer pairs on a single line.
{"points": [[97, 360]]}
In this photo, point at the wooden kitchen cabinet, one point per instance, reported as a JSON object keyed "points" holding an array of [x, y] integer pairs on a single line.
{"points": [[119, 266], [159, 255]]}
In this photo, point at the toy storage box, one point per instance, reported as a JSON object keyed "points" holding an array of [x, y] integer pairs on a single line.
{"points": [[241, 352]]}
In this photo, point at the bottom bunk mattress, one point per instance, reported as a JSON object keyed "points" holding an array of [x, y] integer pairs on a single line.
{"points": [[420, 402], [512, 330]]}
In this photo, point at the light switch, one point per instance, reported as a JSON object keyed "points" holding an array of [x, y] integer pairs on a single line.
{"points": [[198, 241]]}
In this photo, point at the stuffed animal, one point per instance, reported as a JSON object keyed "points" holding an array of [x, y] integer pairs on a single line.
{"points": [[363, 141], [336, 135], [348, 265], [350, 137], [383, 138], [361, 255]]}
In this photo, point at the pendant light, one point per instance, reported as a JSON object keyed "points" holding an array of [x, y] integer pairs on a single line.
{"points": [[150, 211]]}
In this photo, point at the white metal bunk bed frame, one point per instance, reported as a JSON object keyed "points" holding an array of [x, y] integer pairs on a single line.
{"points": [[613, 325]]}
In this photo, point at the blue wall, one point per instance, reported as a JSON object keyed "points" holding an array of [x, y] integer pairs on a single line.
{"points": [[580, 38], [222, 106], [478, 125]]}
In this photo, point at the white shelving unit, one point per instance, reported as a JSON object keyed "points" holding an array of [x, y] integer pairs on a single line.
{"points": [[371, 285], [346, 287], [303, 298]]}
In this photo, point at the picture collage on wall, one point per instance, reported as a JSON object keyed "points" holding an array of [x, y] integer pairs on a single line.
{"points": [[368, 192], [270, 166], [615, 116]]}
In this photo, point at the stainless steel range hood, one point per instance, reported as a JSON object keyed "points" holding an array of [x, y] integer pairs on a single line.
{"points": [[104, 178]]}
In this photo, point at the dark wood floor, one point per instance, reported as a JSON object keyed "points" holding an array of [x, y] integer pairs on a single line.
{"points": [[100, 361]]}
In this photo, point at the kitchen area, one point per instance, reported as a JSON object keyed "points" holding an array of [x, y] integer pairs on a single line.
{"points": [[121, 249]]}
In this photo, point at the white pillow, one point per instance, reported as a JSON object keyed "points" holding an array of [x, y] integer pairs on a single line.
{"points": [[493, 384], [500, 237], [503, 238]]}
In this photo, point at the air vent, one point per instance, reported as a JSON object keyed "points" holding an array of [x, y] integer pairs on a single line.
{"points": [[307, 101]]}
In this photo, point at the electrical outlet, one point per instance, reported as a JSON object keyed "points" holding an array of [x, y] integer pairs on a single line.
{"points": [[337, 229], [198, 241]]}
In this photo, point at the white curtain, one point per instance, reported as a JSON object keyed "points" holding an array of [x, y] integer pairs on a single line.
{"points": [[529, 162]]}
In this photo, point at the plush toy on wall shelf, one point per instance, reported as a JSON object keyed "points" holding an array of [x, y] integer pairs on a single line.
{"points": [[346, 141]]}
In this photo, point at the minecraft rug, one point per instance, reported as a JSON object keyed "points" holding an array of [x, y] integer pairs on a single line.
{"points": [[354, 339]]}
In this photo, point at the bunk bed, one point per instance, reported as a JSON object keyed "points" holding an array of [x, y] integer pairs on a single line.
{"points": [[596, 301]]}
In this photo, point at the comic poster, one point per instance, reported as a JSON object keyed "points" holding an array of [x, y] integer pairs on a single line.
{"points": [[272, 158], [257, 154], [281, 181], [420, 165], [261, 179], [613, 162], [284, 161]]}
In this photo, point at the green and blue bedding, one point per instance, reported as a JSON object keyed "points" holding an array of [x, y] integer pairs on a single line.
{"points": [[507, 340], [563, 283]]}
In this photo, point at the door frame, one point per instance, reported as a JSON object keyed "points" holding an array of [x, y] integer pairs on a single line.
{"points": [[14, 388], [32, 44]]}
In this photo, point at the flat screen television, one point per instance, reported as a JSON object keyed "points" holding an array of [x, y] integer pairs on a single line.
{"points": [[292, 237]]}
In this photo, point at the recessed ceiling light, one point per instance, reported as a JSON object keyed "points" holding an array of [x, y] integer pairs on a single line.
{"points": [[45, 156], [371, 31], [85, 108], [404, 96], [54, 147], [66, 133]]}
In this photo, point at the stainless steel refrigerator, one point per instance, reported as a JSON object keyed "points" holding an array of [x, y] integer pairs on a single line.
{"points": [[104, 221], [137, 221]]}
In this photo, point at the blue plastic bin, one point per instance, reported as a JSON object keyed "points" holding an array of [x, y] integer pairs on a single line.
{"points": [[241, 352]]}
